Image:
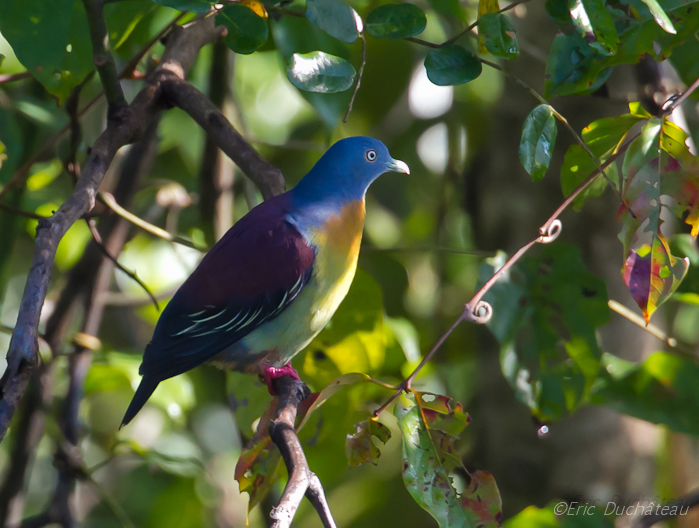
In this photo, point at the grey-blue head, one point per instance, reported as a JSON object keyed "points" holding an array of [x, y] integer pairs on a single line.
{"points": [[348, 168]]}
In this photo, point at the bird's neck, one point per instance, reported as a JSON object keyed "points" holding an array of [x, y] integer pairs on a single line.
{"points": [[326, 184]]}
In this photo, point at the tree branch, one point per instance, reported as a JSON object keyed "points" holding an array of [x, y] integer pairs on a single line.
{"points": [[22, 356], [102, 57], [302, 481], [268, 178], [681, 506]]}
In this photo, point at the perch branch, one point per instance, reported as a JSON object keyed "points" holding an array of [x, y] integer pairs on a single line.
{"points": [[302, 481]]}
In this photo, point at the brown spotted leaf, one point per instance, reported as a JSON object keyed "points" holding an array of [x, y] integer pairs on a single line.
{"points": [[426, 464], [359, 446]]}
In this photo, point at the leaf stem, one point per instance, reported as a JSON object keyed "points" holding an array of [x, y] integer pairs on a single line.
{"points": [[108, 200], [359, 77]]}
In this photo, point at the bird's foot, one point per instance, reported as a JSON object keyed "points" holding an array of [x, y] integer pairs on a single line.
{"points": [[269, 374]]}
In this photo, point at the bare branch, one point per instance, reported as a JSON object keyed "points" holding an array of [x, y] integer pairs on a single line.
{"points": [[301, 480], [672, 509], [267, 177], [102, 57]]}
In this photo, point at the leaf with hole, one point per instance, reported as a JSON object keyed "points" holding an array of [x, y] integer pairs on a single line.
{"points": [[320, 72], [247, 31], [498, 35], [334, 17], [425, 474], [538, 141], [393, 21], [594, 23], [452, 65], [359, 446]]}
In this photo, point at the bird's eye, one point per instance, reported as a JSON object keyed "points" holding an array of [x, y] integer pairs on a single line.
{"points": [[371, 155]]}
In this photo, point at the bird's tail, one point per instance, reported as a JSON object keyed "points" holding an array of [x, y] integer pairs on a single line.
{"points": [[145, 389]]}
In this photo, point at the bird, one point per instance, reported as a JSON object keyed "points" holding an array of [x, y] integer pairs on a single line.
{"points": [[274, 280]]}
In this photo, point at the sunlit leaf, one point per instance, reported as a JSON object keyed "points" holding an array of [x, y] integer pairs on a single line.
{"points": [[574, 515], [485, 7], [662, 390], [247, 31], [498, 35], [452, 65], [594, 23], [660, 16], [538, 141], [652, 274], [427, 478], [657, 164], [333, 387], [399, 21], [577, 167], [359, 446], [101, 378], [334, 17], [444, 420], [51, 40], [258, 466], [320, 72], [545, 315]]}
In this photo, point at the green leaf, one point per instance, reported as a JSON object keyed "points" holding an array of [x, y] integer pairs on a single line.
{"points": [[559, 12], [538, 141], [546, 312], [452, 65], [594, 23], [258, 465], [577, 166], [359, 446], [498, 35], [321, 73], [102, 378], [399, 21], [193, 6], [51, 40], [662, 390], [334, 17], [574, 515], [573, 67], [247, 31], [485, 7], [660, 16], [427, 478], [297, 35]]}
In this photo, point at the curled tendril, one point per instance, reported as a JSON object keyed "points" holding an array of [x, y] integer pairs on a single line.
{"points": [[478, 314], [551, 233]]}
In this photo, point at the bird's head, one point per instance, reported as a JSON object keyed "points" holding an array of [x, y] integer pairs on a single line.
{"points": [[348, 168]]}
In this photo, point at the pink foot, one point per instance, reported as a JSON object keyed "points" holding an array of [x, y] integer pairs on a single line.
{"points": [[269, 374]]}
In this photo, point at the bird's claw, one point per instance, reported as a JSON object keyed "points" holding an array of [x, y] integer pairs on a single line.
{"points": [[269, 374]]}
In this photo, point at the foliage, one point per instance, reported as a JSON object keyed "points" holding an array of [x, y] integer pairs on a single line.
{"points": [[296, 67]]}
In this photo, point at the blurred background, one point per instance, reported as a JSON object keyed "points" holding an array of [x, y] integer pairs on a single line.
{"points": [[427, 236]]}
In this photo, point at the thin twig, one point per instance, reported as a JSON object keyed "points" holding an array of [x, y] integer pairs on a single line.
{"points": [[359, 77], [19, 212], [670, 510], [108, 200], [427, 249], [131, 274], [14, 77]]}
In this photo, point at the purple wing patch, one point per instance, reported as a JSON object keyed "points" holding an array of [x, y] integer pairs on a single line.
{"points": [[249, 277]]}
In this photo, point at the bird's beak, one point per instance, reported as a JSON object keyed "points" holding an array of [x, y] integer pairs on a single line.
{"points": [[398, 166]]}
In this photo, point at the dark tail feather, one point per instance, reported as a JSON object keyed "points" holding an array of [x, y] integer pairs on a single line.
{"points": [[145, 389]]}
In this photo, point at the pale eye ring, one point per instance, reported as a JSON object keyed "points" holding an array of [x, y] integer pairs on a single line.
{"points": [[371, 155]]}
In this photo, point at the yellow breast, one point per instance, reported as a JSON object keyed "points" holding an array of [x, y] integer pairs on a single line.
{"points": [[336, 260]]}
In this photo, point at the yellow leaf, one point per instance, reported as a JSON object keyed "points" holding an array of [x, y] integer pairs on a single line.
{"points": [[256, 6]]}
